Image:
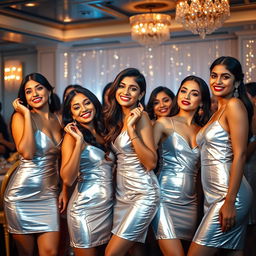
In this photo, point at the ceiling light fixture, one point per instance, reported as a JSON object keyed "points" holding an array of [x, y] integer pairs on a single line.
{"points": [[202, 16], [152, 27]]}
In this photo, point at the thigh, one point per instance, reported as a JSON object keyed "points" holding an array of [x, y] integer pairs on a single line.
{"points": [[25, 244], [118, 246], [171, 247], [85, 251], [201, 250], [48, 243]]}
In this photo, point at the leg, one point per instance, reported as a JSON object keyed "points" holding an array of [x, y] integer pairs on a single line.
{"points": [[137, 250], [85, 251], [235, 253], [25, 244], [48, 243], [171, 247], [201, 250], [118, 246]]}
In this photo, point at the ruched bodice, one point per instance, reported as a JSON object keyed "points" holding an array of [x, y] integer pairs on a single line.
{"points": [[90, 207], [137, 192], [216, 159], [32, 190], [177, 215]]}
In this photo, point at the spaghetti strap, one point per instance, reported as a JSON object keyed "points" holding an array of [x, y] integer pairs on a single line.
{"points": [[34, 122], [172, 124], [58, 119], [222, 111]]}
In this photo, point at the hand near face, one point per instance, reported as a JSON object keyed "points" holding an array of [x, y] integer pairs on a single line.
{"points": [[17, 105], [73, 130], [134, 116]]}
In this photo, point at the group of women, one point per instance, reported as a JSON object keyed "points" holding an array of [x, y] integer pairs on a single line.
{"points": [[111, 153]]}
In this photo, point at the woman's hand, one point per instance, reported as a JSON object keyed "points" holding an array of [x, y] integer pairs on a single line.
{"points": [[227, 216], [73, 130], [134, 116], [19, 107], [63, 200]]}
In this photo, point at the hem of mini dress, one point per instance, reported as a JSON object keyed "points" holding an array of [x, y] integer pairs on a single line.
{"points": [[218, 246], [31, 232], [133, 240], [89, 246], [171, 238]]}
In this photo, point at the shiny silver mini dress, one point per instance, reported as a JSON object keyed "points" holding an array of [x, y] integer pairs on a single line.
{"points": [[137, 193], [250, 174], [177, 214], [30, 200], [216, 160], [90, 208]]}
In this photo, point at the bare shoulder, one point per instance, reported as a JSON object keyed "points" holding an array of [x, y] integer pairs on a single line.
{"points": [[164, 120], [144, 119], [68, 140], [235, 106], [17, 117]]}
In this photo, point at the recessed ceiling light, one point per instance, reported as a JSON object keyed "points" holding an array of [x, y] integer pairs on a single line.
{"points": [[67, 19], [31, 4]]}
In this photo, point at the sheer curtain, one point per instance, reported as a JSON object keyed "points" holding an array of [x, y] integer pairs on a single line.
{"points": [[165, 65]]}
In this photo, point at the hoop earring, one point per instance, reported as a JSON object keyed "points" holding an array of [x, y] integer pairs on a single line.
{"points": [[236, 93]]}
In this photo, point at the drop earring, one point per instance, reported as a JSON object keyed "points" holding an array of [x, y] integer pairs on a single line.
{"points": [[236, 93], [49, 99]]}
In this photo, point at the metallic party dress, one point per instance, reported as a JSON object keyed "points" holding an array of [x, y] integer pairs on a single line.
{"points": [[90, 208], [30, 200], [216, 160], [176, 217], [137, 193]]}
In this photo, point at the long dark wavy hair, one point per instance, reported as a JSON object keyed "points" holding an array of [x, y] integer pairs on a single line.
{"points": [[235, 68], [153, 95], [97, 121], [202, 119], [113, 115], [53, 105]]}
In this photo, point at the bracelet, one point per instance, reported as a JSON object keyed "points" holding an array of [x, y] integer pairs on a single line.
{"points": [[253, 138], [134, 138]]}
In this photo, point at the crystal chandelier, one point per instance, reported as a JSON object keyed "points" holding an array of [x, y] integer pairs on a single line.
{"points": [[150, 29], [202, 16]]}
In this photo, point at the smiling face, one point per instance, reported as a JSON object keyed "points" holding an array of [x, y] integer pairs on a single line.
{"points": [[162, 104], [222, 82], [189, 96], [36, 94], [82, 109], [128, 93]]}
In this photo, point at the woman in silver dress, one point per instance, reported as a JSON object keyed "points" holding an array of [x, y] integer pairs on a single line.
{"points": [[130, 133], [30, 200], [223, 142], [85, 156], [177, 217]]}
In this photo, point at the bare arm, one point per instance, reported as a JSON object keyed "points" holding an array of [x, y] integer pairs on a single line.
{"points": [[71, 154], [141, 133], [237, 122], [22, 131], [158, 131]]}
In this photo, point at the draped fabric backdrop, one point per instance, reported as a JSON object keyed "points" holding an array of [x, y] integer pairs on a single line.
{"points": [[166, 65]]}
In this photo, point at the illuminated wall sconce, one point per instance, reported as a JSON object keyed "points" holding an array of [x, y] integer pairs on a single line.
{"points": [[12, 72]]}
